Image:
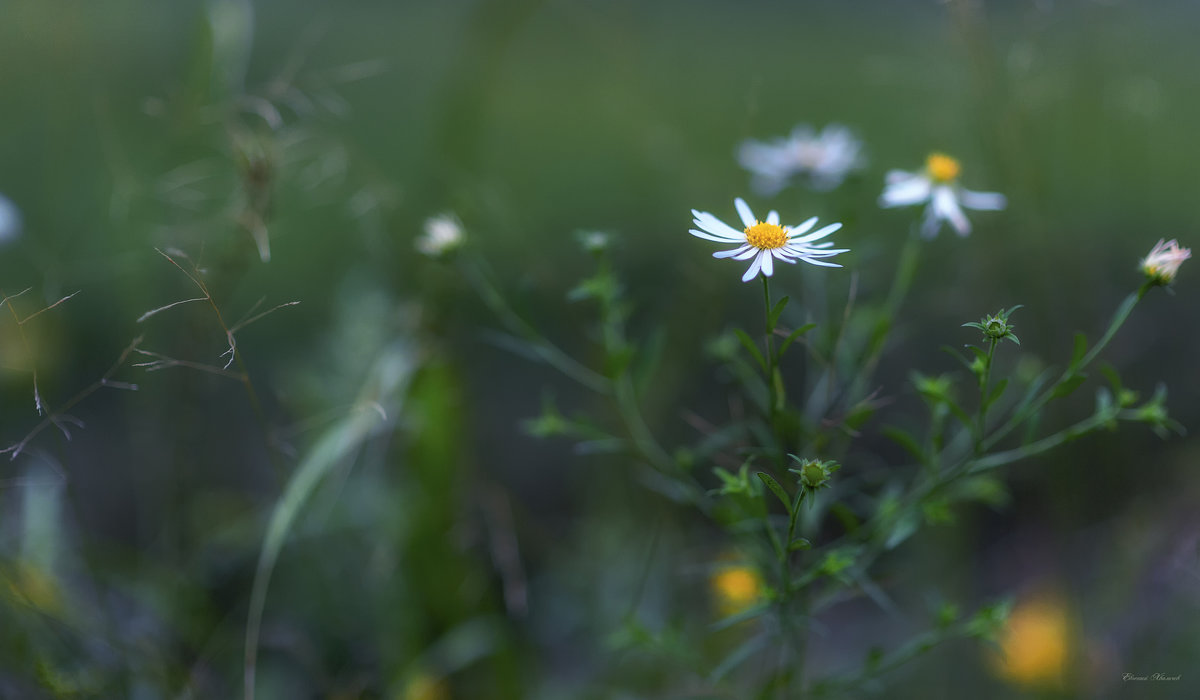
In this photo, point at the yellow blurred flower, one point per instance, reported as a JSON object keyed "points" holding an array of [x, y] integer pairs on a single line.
{"points": [[1036, 643], [736, 588], [423, 686], [36, 588]]}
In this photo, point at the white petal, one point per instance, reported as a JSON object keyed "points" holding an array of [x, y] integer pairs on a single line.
{"points": [[773, 217], [902, 192], [930, 223], [764, 159], [818, 252], [802, 228], [781, 254], [712, 237], [815, 235], [945, 204], [894, 176], [743, 211], [750, 252], [731, 253], [989, 201], [715, 226], [811, 261], [753, 271], [768, 263]]}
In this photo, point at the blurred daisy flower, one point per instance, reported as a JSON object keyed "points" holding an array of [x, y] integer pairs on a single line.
{"points": [[766, 241], [1164, 260], [736, 588], [938, 185], [443, 235], [10, 220], [825, 157]]}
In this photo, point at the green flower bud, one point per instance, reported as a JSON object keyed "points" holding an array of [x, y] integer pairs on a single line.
{"points": [[814, 474]]}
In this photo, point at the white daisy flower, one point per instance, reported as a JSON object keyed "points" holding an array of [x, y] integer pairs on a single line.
{"points": [[10, 220], [443, 235], [826, 158], [1164, 260], [766, 241], [938, 185]]}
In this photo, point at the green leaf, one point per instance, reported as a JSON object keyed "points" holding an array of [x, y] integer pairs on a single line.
{"points": [[773, 316], [958, 356], [742, 616], [980, 353], [1113, 378], [738, 656], [845, 516], [648, 358], [902, 529], [749, 345], [798, 544], [1068, 386], [1080, 350], [776, 489], [905, 440], [795, 334], [997, 391]]}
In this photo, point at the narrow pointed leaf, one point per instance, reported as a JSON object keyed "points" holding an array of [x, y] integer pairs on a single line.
{"points": [[750, 346], [776, 489], [795, 334]]}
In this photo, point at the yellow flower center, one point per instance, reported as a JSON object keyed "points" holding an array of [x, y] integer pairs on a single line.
{"points": [[942, 167], [764, 235]]}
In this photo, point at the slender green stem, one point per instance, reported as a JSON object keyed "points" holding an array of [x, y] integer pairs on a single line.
{"points": [[769, 332], [906, 270], [547, 351], [985, 378], [631, 414], [1083, 427], [1019, 417]]}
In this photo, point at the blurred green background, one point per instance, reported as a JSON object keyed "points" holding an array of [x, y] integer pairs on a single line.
{"points": [[446, 553]]}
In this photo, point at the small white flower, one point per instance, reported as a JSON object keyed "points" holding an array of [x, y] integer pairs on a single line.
{"points": [[826, 158], [938, 185], [1164, 260], [766, 241], [443, 235], [10, 220], [593, 241]]}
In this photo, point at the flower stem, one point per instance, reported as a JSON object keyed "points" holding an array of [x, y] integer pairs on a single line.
{"points": [[774, 382], [985, 378], [906, 270], [1118, 319], [545, 350]]}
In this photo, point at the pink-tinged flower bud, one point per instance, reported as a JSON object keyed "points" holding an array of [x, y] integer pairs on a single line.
{"points": [[1164, 260]]}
